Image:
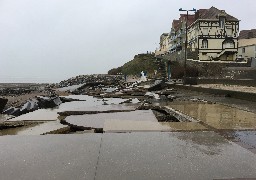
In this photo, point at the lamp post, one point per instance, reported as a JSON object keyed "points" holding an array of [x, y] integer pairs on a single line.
{"points": [[186, 43]]}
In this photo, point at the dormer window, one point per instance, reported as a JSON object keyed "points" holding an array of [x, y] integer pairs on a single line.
{"points": [[222, 22]]}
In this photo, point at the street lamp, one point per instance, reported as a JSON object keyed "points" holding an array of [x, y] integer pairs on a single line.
{"points": [[186, 43]]}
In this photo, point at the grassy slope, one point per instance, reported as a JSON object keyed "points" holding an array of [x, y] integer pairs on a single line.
{"points": [[141, 62]]}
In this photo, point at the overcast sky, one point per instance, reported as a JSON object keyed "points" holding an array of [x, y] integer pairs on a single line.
{"points": [[52, 40]]}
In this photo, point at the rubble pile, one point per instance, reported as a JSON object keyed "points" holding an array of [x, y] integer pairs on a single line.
{"points": [[15, 91], [86, 79], [40, 102]]}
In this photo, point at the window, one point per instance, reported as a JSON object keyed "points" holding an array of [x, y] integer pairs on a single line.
{"points": [[205, 31], [204, 44], [243, 50], [229, 32], [222, 22], [228, 43]]}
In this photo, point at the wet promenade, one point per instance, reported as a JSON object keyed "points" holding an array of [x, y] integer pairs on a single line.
{"points": [[151, 155]]}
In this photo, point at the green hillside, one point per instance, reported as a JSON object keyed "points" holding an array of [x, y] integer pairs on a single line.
{"points": [[140, 62]]}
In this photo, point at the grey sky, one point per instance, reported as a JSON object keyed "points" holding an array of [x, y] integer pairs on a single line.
{"points": [[52, 40]]}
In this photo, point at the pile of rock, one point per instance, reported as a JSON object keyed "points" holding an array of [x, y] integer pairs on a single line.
{"points": [[40, 102], [85, 79], [14, 91]]}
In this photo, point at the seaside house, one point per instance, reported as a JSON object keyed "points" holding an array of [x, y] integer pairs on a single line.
{"points": [[212, 36], [247, 44]]}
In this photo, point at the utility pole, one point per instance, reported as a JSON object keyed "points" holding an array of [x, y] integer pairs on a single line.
{"points": [[186, 44]]}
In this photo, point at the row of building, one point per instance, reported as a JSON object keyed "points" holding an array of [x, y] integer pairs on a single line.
{"points": [[212, 35]]}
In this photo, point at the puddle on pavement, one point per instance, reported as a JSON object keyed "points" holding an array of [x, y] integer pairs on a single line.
{"points": [[15, 130], [96, 104], [247, 139], [217, 116], [80, 107], [91, 99], [36, 129], [90, 104]]}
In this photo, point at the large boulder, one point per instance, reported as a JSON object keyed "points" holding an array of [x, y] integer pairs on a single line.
{"points": [[3, 102], [29, 106], [158, 85], [13, 111], [48, 102]]}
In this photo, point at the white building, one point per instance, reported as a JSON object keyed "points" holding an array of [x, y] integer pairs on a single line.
{"points": [[213, 36], [247, 44]]}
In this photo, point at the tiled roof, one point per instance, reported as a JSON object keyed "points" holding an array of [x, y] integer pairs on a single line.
{"points": [[164, 34], [247, 34], [175, 24], [213, 13], [191, 18]]}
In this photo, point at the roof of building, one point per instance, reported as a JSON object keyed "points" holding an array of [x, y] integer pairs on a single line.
{"points": [[164, 34], [191, 18], [175, 24], [213, 13], [247, 34]]}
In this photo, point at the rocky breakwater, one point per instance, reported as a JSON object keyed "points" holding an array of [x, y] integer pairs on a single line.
{"points": [[91, 79]]}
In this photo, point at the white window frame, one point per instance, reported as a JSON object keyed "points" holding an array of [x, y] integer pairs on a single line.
{"points": [[205, 31], [222, 22]]}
